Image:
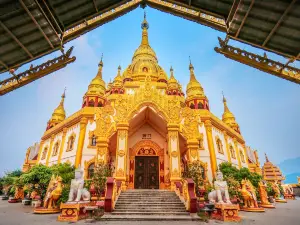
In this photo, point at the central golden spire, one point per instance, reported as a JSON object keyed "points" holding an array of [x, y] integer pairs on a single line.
{"points": [[145, 27]]}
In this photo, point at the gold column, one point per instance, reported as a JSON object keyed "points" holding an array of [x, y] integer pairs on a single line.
{"points": [[49, 150], [193, 153], [246, 155], [237, 152], [122, 153], [62, 145], [40, 150], [83, 123], [213, 158], [174, 152], [227, 146], [102, 150]]}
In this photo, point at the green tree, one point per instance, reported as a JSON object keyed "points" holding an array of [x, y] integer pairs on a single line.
{"points": [[195, 171], [38, 177], [101, 172]]}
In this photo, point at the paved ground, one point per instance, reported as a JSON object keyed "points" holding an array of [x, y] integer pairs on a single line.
{"points": [[284, 214]]}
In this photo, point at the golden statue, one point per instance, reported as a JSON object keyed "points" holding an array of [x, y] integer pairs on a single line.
{"points": [[264, 196], [276, 189], [249, 197], [53, 193]]}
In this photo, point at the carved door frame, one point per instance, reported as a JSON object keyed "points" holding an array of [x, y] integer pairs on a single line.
{"points": [[147, 146]]}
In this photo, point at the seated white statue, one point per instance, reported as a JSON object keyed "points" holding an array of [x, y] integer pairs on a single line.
{"points": [[220, 194], [77, 192]]}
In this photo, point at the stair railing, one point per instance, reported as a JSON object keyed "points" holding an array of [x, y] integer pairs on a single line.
{"points": [[186, 192], [113, 190]]}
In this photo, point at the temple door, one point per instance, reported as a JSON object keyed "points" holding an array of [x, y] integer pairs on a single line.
{"points": [[146, 172]]}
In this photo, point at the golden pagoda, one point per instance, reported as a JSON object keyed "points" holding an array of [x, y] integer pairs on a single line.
{"points": [[142, 117], [59, 113], [271, 172]]}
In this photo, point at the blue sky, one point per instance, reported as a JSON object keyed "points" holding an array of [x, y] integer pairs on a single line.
{"points": [[266, 107]]}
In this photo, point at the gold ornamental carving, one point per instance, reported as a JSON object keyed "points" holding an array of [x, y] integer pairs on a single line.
{"points": [[121, 153], [105, 124], [194, 153], [174, 154], [191, 123], [101, 151], [122, 134], [175, 173], [120, 172]]}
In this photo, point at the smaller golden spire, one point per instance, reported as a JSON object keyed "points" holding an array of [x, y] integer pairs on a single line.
{"points": [[226, 109], [100, 67], [192, 74], [228, 116], [59, 113], [118, 79]]}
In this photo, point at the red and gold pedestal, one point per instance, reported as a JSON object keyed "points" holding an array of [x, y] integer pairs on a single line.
{"points": [[42, 210], [226, 212], [290, 197], [280, 200], [72, 212]]}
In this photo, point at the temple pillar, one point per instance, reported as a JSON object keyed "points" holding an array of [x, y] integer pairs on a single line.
{"points": [[213, 158], [83, 123], [227, 146], [193, 153], [122, 153], [174, 152], [50, 150], [237, 152], [102, 150], [62, 145], [246, 155], [40, 151]]}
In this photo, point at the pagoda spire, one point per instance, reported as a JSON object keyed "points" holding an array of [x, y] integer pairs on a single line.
{"points": [[267, 159], [228, 116], [145, 27], [100, 67], [59, 113]]}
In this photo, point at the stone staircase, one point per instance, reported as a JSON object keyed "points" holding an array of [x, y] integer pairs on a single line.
{"points": [[149, 204]]}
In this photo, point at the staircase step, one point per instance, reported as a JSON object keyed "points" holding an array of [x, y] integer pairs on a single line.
{"points": [[109, 217], [149, 213]]}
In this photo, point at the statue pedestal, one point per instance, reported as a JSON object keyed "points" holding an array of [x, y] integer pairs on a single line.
{"points": [[280, 200], [226, 212], [253, 209], [289, 196], [72, 212], [42, 210], [268, 206], [14, 200]]}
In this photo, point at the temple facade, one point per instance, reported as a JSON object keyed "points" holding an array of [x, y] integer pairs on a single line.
{"points": [[144, 126]]}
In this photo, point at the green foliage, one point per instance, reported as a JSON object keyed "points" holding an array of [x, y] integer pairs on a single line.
{"points": [[270, 190], [10, 177], [65, 171], [101, 172], [234, 176], [39, 176], [195, 171], [281, 189]]}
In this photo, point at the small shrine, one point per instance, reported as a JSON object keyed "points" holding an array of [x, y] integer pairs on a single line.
{"points": [[271, 173]]}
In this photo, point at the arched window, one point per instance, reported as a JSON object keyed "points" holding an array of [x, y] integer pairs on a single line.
{"points": [[116, 91], [100, 104], [44, 153], [192, 106], [145, 69], [91, 171], [220, 146], [232, 152], [93, 140], [55, 149], [91, 103], [71, 143], [242, 156], [200, 105]]}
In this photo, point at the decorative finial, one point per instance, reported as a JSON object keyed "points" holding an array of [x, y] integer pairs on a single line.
{"points": [[101, 62], [119, 67], [171, 69], [267, 159], [145, 14], [145, 24], [64, 94], [191, 65], [224, 99]]}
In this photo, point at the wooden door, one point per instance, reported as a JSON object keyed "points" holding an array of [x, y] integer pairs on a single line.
{"points": [[146, 172]]}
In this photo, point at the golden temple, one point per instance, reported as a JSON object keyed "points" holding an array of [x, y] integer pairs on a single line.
{"points": [[271, 172], [144, 126]]}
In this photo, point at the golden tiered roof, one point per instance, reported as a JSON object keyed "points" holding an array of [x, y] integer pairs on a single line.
{"points": [[144, 60], [97, 85], [271, 172], [118, 81], [59, 113], [228, 117]]}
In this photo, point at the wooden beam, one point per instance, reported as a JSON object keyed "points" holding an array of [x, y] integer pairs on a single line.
{"points": [[190, 2], [36, 23], [16, 39], [259, 62], [49, 10], [232, 10], [244, 19], [3, 64], [279, 22], [95, 5], [41, 9]]}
